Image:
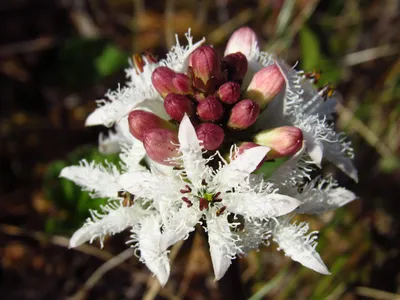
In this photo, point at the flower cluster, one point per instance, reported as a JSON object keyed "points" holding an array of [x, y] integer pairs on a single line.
{"points": [[193, 131]]}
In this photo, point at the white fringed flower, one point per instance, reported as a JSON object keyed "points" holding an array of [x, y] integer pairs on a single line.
{"points": [[201, 191], [239, 210]]}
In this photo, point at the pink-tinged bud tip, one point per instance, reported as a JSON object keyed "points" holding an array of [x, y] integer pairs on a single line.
{"points": [[283, 141], [161, 145], [229, 92], [177, 106], [236, 65], [167, 81], [141, 121], [243, 114], [242, 40], [265, 85], [205, 65], [211, 135], [210, 109]]}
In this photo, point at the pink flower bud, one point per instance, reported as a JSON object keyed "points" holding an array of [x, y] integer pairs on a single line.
{"points": [[243, 114], [167, 81], [229, 92], [283, 141], [210, 109], [141, 121], [236, 66], [265, 85], [161, 144], [205, 64], [211, 135], [242, 40], [177, 106]]}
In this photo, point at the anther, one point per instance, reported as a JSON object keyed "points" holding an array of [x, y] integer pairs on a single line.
{"points": [[220, 211], [216, 197], [138, 63], [187, 201], [203, 204], [129, 199], [314, 76], [203, 182], [186, 190], [326, 91]]}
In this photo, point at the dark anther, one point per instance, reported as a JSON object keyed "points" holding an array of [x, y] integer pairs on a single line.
{"points": [[203, 204], [129, 199], [215, 197], [187, 201], [314, 76], [186, 190], [121, 194], [203, 182], [326, 91], [220, 211]]}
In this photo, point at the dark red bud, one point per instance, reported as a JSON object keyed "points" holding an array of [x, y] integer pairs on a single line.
{"points": [[161, 145], [141, 121], [205, 64], [210, 109], [177, 106], [243, 114], [167, 81], [211, 136], [236, 65], [229, 92]]}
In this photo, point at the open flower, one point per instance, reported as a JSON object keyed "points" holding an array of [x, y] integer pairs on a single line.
{"points": [[247, 97], [203, 192]]}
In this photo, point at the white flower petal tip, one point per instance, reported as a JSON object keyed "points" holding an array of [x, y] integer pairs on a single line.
{"points": [[80, 237], [251, 158], [97, 117]]}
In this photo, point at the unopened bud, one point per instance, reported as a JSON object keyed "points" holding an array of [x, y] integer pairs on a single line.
{"points": [[283, 141], [167, 81], [140, 121], [229, 92], [242, 40], [265, 85], [211, 135], [236, 65], [205, 64], [161, 145], [210, 109], [243, 114], [177, 106]]}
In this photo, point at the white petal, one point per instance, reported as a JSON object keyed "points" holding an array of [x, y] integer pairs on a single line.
{"points": [[116, 220], [342, 162], [147, 185], [154, 257], [314, 148], [220, 241], [237, 170], [192, 154], [262, 205], [180, 225], [95, 178], [300, 245], [108, 114], [320, 196], [132, 155]]}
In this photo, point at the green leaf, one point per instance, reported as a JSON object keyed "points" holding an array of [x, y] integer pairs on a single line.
{"points": [[110, 60], [310, 49]]}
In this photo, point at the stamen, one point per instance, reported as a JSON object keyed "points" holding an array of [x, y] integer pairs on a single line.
{"points": [[326, 91], [314, 76], [138, 63], [129, 199], [220, 211], [187, 201], [215, 197], [203, 182], [203, 204], [187, 190]]}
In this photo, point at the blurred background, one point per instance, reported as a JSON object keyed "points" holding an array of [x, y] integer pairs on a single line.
{"points": [[58, 56]]}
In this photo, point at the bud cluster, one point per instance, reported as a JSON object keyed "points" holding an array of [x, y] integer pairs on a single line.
{"points": [[211, 95]]}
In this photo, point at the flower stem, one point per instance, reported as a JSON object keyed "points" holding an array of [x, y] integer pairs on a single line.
{"points": [[230, 284]]}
